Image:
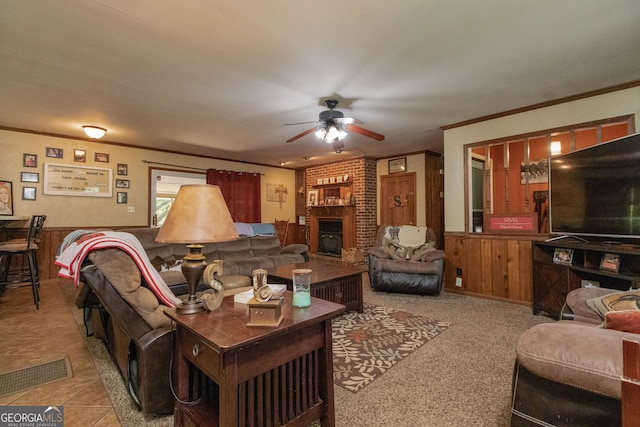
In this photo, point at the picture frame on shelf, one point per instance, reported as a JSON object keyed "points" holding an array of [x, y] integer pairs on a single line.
{"points": [[28, 193], [312, 198], [563, 256], [398, 165], [29, 177], [329, 201], [610, 262], [6, 198], [30, 160], [325, 180]]}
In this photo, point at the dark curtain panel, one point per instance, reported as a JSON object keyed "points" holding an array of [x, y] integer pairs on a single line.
{"points": [[241, 191]]}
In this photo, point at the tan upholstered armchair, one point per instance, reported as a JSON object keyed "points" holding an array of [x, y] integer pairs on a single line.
{"points": [[405, 259]]}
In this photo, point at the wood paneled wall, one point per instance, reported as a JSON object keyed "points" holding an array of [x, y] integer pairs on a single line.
{"points": [[495, 267]]}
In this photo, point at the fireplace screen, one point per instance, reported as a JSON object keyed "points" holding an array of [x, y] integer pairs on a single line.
{"points": [[330, 237]]}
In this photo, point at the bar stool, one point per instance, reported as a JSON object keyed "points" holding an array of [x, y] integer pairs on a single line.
{"points": [[27, 247]]}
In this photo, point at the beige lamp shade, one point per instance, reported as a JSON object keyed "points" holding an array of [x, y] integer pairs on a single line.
{"points": [[199, 214]]}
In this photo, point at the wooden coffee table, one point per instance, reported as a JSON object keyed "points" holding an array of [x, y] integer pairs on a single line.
{"points": [[335, 283]]}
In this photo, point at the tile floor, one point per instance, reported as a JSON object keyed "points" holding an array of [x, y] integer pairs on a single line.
{"points": [[31, 337]]}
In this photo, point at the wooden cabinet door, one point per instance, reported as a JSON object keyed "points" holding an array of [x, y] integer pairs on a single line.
{"points": [[398, 199]]}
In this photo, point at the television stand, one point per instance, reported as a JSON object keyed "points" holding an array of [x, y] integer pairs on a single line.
{"points": [[553, 277], [566, 236]]}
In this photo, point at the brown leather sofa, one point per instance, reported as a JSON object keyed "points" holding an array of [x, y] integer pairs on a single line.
{"points": [[414, 268], [567, 373], [121, 311]]}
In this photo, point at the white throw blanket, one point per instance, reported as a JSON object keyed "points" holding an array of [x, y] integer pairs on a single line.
{"points": [[408, 235], [71, 258]]}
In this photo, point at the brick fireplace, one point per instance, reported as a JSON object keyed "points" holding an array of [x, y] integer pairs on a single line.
{"points": [[359, 225]]}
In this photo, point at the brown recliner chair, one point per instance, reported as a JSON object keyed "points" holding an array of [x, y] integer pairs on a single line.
{"points": [[405, 259]]}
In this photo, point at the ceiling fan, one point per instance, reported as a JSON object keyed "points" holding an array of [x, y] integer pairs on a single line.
{"points": [[333, 126]]}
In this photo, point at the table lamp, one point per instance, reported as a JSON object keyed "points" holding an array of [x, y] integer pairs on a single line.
{"points": [[198, 215]]}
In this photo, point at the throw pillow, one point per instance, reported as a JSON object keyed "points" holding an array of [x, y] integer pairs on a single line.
{"points": [[624, 321], [416, 254], [616, 301], [395, 251]]}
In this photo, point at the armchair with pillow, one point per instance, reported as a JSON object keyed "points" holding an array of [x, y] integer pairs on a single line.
{"points": [[569, 372], [405, 259]]}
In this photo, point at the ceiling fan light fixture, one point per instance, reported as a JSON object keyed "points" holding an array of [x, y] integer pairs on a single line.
{"points": [[94, 132]]}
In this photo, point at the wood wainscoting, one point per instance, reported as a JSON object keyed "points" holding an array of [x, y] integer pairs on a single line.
{"points": [[494, 267]]}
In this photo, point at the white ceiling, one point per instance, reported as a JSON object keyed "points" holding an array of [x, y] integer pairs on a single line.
{"points": [[221, 78]]}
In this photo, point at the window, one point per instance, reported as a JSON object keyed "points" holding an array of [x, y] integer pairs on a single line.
{"points": [[509, 176]]}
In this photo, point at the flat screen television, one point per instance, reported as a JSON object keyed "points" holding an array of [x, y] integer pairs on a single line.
{"points": [[596, 191]]}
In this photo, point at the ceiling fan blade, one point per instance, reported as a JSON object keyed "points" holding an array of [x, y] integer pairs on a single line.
{"points": [[300, 123], [300, 135], [365, 132], [347, 120]]}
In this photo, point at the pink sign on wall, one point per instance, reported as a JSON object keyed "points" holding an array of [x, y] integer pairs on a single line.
{"points": [[513, 223]]}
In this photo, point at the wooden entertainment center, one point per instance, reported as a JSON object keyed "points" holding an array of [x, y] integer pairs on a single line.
{"points": [[554, 275]]}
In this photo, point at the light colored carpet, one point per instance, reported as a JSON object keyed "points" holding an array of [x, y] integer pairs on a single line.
{"points": [[461, 378]]}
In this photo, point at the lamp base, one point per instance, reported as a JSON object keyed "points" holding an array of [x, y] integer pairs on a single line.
{"points": [[193, 266], [190, 307]]}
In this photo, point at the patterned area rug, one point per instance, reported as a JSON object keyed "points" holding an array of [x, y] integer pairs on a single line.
{"points": [[366, 345]]}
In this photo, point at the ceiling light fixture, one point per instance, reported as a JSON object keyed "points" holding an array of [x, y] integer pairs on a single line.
{"points": [[94, 132], [330, 133]]}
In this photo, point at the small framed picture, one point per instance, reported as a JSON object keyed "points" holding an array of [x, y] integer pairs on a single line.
{"points": [[28, 193], [563, 256], [79, 156], [610, 262], [101, 157], [398, 165], [122, 183], [332, 180], [312, 198], [325, 180], [319, 181], [123, 169], [30, 160], [56, 153], [6, 198], [329, 201], [29, 177], [302, 220], [122, 197]]}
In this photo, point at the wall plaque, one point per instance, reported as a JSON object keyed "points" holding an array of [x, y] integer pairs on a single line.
{"points": [[71, 180], [513, 223]]}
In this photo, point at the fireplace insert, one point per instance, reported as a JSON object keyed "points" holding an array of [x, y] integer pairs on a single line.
{"points": [[330, 237]]}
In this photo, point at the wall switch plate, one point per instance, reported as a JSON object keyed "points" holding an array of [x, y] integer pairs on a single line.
{"points": [[459, 272], [131, 209]]}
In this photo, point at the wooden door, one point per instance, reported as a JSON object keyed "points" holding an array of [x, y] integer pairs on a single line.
{"points": [[398, 199]]}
